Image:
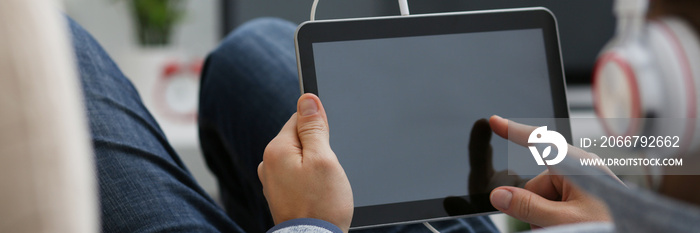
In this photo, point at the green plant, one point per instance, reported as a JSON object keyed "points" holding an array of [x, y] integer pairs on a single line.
{"points": [[155, 19]]}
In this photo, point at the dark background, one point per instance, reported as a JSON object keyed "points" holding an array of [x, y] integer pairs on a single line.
{"points": [[584, 25]]}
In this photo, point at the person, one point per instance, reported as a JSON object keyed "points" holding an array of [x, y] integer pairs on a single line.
{"points": [[249, 91]]}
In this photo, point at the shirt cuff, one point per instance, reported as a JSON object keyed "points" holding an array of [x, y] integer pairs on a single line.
{"points": [[305, 225]]}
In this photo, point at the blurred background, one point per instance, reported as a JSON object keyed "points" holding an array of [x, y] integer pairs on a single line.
{"points": [[160, 45]]}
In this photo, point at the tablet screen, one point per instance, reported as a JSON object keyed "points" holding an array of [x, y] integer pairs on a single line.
{"points": [[401, 109]]}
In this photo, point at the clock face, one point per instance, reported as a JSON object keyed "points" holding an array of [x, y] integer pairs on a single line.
{"points": [[176, 92], [181, 93]]}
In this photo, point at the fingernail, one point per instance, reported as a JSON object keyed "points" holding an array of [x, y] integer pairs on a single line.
{"points": [[498, 117], [308, 107], [500, 198]]}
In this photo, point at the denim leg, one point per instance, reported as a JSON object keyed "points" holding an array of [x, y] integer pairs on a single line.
{"points": [[249, 90], [143, 184]]}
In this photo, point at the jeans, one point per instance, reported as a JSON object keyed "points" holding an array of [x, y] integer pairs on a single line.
{"points": [[249, 90], [143, 184]]}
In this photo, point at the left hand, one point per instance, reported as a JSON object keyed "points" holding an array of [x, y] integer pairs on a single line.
{"points": [[301, 175]]}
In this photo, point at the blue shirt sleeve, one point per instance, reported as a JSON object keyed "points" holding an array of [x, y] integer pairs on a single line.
{"points": [[305, 225]]}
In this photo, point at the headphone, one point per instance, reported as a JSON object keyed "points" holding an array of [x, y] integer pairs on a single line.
{"points": [[649, 70]]}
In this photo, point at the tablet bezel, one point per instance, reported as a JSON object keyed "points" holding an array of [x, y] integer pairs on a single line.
{"points": [[309, 33]]}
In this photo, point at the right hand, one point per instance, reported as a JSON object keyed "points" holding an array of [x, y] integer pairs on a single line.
{"points": [[547, 199]]}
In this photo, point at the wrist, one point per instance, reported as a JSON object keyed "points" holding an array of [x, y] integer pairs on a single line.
{"points": [[307, 224]]}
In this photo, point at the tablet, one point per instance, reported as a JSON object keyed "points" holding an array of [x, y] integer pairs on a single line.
{"points": [[402, 94]]}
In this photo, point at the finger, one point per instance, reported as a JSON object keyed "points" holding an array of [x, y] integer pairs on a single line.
{"points": [[511, 130], [260, 173], [480, 157], [528, 206], [288, 134], [312, 125], [499, 126], [285, 146], [544, 185]]}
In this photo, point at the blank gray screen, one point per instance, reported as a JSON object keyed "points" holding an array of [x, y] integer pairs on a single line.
{"points": [[401, 109]]}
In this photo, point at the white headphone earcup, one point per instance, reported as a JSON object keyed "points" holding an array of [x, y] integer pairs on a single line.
{"points": [[626, 87], [616, 91], [676, 49]]}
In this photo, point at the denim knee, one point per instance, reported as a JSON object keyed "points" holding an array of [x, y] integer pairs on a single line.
{"points": [[259, 49], [259, 29]]}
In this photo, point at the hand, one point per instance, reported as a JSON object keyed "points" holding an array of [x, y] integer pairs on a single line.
{"points": [[547, 199], [301, 175]]}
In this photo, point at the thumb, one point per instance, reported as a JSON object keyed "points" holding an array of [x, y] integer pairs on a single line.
{"points": [[312, 124], [527, 206]]}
